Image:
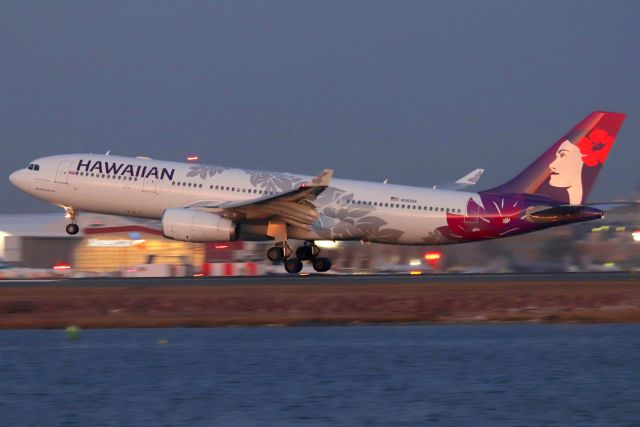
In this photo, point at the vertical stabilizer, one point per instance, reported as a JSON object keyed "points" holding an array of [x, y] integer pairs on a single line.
{"points": [[568, 169]]}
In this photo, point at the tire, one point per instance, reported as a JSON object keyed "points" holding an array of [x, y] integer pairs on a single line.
{"points": [[275, 254], [304, 253], [321, 264], [72, 229], [293, 265]]}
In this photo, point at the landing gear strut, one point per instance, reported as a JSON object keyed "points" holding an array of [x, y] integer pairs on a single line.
{"points": [[308, 251], [71, 214]]}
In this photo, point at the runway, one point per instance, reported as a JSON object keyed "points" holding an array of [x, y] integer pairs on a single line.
{"points": [[335, 279]]}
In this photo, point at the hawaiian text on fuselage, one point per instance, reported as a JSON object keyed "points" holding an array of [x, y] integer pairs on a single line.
{"points": [[113, 168]]}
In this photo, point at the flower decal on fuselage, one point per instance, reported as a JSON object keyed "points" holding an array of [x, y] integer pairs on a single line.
{"points": [[496, 216], [204, 171], [273, 182]]}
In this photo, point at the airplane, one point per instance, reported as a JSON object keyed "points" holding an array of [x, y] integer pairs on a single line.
{"points": [[204, 203]]}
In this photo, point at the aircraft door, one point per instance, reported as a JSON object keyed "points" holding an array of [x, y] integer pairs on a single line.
{"points": [[150, 185], [473, 210], [62, 174]]}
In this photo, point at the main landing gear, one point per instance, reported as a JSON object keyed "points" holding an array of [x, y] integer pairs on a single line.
{"points": [[71, 214], [307, 252]]}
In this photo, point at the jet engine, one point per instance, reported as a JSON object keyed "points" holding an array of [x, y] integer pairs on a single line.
{"points": [[189, 225]]}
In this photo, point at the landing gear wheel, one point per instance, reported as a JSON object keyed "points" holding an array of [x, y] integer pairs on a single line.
{"points": [[72, 229], [321, 264], [304, 253], [293, 265], [275, 254]]}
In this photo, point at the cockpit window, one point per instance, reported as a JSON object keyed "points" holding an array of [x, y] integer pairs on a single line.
{"points": [[34, 167], [30, 167]]}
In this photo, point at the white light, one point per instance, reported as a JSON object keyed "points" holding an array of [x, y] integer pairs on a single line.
{"points": [[636, 236], [99, 243], [326, 244], [415, 262]]}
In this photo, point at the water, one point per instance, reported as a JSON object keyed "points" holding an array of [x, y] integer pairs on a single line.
{"points": [[512, 375]]}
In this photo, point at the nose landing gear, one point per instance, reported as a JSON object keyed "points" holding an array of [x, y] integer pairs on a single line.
{"points": [[72, 229], [71, 214]]}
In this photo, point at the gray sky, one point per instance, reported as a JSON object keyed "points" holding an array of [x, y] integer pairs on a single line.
{"points": [[420, 92]]}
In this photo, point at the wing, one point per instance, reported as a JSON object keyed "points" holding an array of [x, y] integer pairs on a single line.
{"points": [[471, 178], [294, 207]]}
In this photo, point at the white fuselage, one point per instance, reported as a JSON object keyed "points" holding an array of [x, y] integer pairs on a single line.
{"points": [[348, 209]]}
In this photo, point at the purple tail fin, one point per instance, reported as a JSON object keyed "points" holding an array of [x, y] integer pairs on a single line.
{"points": [[567, 171]]}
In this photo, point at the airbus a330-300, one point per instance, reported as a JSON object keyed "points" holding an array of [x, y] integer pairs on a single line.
{"points": [[202, 203]]}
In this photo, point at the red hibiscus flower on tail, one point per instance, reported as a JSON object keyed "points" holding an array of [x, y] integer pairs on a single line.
{"points": [[595, 147]]}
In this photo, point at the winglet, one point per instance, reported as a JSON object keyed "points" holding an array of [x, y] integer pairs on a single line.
{"points": [[322, 180], [471, 178]]}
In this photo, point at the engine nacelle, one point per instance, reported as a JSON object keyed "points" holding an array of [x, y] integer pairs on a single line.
{"points": [[189, 225]]}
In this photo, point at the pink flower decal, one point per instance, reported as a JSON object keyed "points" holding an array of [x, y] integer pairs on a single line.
{"points": [[595, 147]]}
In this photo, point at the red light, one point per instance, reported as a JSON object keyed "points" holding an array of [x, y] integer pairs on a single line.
{"points": [[193, 158], [432, 256], [62, 266], [221, 246]]}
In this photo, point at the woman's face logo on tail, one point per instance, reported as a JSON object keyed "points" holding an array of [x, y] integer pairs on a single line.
{"points": [[566, 171]]}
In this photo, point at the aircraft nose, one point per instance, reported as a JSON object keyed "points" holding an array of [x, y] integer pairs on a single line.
{"points": [[17, 178]]}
